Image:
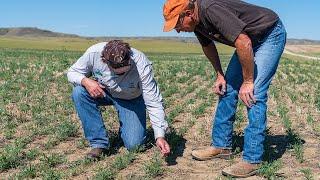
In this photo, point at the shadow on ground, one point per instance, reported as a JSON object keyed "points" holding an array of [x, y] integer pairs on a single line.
{"points": [[274, 147], [177, 144]]}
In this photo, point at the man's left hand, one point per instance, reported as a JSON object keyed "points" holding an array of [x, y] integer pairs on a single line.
{"points": [[246, 93], [163, 146]]}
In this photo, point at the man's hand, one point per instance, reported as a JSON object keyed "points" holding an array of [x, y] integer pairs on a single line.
{"points": [[163, 146], [220, 85], [93, 87], [246, 93]]}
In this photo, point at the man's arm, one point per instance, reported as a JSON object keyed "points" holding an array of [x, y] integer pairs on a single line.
{"points": [[79, 72], [212, 54], [154, 104], [245, 53], [80, 69]]}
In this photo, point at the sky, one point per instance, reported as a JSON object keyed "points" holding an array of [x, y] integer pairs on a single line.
{"points": [[137, 18]]}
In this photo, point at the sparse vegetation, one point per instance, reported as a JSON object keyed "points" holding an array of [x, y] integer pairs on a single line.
{"points": [[154, 168], [41, 135], [269, 170]]}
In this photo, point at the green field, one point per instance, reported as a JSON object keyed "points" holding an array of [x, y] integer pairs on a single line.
{"points": [[81, 44], [41, 135]]}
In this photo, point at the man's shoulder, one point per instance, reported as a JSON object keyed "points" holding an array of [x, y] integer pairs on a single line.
{"points": [[139, 58], [96, 48], [207, 3]]}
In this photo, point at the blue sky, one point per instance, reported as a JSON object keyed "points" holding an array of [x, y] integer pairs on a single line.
{"points": [[136, 18]]}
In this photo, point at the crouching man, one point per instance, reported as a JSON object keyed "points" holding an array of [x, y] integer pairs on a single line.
{"points": [[121, 76]]}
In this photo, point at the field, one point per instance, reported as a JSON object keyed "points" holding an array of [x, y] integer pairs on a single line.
{"points": [[310, 50], [41, 135]]}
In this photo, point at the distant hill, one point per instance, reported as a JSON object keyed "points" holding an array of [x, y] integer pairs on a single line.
{"points": [[36, 32], [32, 32], [303, 42]]}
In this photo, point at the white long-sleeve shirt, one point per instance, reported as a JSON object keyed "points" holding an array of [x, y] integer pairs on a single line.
{"points": [[138, 80]]}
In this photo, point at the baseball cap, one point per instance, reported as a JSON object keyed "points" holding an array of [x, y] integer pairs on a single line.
{"points": [[116, 53], [171, 12]]}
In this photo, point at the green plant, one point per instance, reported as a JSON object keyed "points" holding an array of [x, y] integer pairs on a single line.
{"points": [[52, 160], [32, 154], [51, 174], [105, 174], [298, 152], [123, 161], [282, 110], [310, 120], [154, 168], [82, 143], [66, 129], [287, 122], [307, 173], [10, 157], [52, 141], [28, 172], [269, 170]]}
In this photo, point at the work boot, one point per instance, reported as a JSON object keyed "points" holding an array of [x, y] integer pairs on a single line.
{"points": [[96, 153], [210, 153], [241, 170]]}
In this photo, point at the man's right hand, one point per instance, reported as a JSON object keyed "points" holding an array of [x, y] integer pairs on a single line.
{"points": [[220, 85], [93, 87]]}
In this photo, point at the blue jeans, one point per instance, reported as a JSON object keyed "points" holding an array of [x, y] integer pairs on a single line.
{"points": [[131, 113], [266, 59]]}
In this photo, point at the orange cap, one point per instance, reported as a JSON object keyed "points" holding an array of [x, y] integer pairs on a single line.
{"points": [[171, 12]]}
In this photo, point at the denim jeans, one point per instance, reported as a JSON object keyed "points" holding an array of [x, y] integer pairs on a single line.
{"points": [[266, 59], [131, 113]]}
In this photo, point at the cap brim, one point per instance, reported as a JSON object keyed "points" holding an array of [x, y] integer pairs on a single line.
{"points": [[170, 24]]}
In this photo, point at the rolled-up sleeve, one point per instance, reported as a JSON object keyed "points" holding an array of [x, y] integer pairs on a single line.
{"points": [[80, 69], [153, 101]]}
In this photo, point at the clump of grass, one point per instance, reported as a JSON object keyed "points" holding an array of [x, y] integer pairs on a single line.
{"points": [[52, 160], [66, 129], [51, 174], [199, 111], [287, 122], [10, 157], [174, 113], [296, 143], [202, 94], [10, 129], [298, 152], [105, 174], [123, 161], [307, 173], [310, 120], [9, 133], [52, 141], [154, 167], [32, 154], [269, 170], [282, 110], [82, 143], [317, 98], [28, 172]]}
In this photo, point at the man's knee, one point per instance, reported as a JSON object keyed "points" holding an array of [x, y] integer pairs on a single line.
{"points": [[231, 90], [78, 93], [134, 143]]}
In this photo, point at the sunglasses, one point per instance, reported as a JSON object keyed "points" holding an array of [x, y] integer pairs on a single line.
{"points": [[180, 21]]}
